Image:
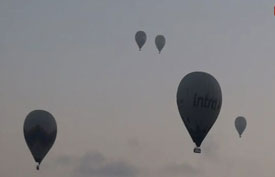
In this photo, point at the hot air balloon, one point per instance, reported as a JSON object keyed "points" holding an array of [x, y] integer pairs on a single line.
{"points": [[140, 39], [240, 124], [199, 100], [160, 42], [40, 131]]}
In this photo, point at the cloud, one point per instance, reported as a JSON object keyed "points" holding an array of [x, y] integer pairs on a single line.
{"points": [[175, 169], [210, 149], [134, 145], [64, 160], [95, 164]]}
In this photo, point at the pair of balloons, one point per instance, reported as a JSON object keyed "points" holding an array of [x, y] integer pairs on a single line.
{"points": [[199, 100], [141, 39], [40, 131]]}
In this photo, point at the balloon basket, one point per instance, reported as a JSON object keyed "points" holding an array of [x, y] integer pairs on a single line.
{"points": [[37, 166], [197, 150]]}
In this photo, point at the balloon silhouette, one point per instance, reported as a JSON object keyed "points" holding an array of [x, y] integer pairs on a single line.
{"points": [[199, 100], [160, 42], [240, 124], [40, 131], [140, 39]]}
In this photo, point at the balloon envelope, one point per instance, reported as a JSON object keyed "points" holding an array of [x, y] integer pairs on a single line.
{"points": [[40, 131], [140, 39], [199, 100], [240, 124], [160, 42]]}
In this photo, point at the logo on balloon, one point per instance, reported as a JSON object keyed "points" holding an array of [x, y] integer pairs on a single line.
{"points": [[206, 102]]}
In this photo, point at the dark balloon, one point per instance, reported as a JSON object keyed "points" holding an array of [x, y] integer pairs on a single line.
{"points": [[40, 131], [240, 124], [140, 39], [160, 42], [199, 100]]}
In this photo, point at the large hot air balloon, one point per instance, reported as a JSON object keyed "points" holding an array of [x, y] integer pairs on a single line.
{"points": [[160, 42], [240, 124], [199, 100], [140, 39], [40, 132]]}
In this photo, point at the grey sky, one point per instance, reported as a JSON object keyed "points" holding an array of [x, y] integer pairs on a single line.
{"points": [[112, 103]]}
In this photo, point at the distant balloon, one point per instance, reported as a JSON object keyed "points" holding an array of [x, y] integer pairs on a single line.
{"points": [[160, 42], [199, 100], [140, 39], [40, 131], [240, 124]]}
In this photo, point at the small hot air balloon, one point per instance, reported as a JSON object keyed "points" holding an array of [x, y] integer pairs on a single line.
{"points": [[199, 100], [240, 124], [140, 39], [160, 42], [40, 131]]}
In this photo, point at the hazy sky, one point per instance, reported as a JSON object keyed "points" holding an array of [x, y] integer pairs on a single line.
{"points": [[115, 106]]}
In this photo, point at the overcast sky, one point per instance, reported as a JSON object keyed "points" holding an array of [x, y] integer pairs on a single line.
{"points": [[115, 107]]}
